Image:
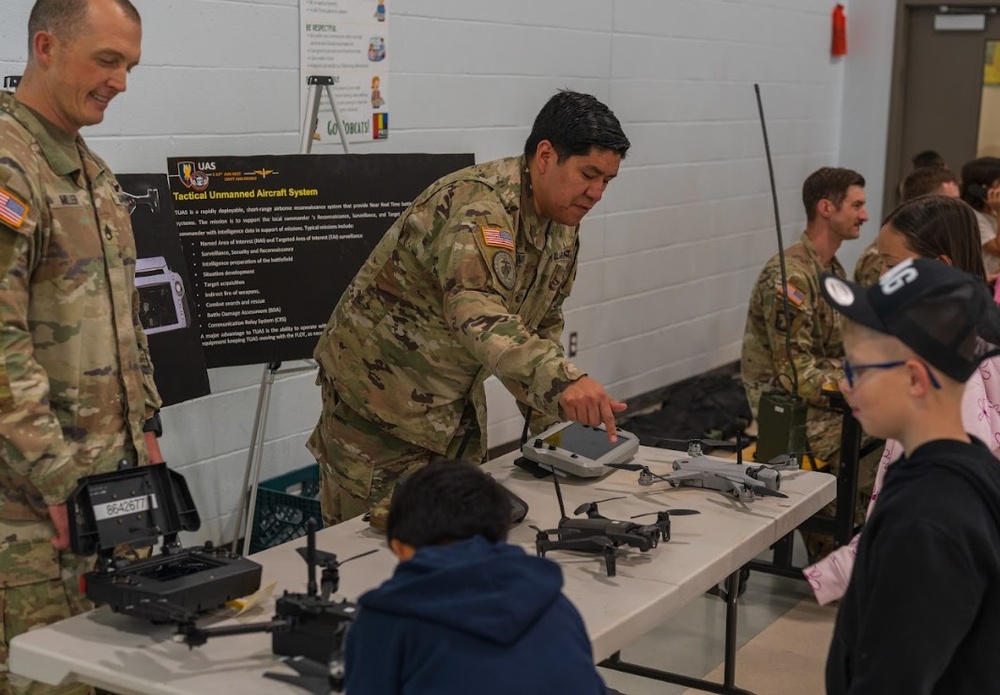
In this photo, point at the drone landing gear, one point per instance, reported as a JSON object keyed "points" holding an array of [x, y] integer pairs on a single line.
{"points": [[728, 685]]}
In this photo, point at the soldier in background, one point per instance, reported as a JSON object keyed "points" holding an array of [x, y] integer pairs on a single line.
{"points": [[834, 201], [469, 282], [76, 382], [932, 179]]}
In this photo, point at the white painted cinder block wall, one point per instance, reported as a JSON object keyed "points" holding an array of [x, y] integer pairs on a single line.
{"points": [[668, 256]]}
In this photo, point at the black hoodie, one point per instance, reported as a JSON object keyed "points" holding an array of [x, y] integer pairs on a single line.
{"points": [[922, 611], [470, 618]]}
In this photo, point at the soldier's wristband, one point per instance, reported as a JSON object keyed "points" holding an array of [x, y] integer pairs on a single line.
{"points": [[154, 425]]}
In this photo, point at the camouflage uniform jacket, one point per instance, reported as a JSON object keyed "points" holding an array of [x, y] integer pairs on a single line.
{"points": [[76, 381], [869, 266], [816, 344], [468, 282]]}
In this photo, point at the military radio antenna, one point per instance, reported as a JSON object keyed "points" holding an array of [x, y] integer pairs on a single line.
{"points": [[781, 248]]}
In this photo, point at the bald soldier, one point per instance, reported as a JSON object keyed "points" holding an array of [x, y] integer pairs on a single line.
{"points": [[469, 282], [76, 383], [834, 201]]}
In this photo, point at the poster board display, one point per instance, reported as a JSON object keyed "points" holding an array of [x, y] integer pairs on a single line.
{"points": [[272, 241], [161, 278], [348, 40]]}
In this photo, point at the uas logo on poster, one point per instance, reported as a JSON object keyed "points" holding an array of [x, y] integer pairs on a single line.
{"points": [[348, 40]]}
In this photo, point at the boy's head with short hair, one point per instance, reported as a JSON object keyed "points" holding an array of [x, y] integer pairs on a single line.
{"points": [[444, 502], [911, 342]]}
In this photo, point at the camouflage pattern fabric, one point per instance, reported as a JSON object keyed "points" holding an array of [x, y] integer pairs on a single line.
{"points": [[869, 266], [817, 350], [468, 282], [363, 474], [814, 331], [45, 589], [76, 381]]}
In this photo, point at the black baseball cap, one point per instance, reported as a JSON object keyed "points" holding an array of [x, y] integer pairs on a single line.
{"points": [[944, 315]]}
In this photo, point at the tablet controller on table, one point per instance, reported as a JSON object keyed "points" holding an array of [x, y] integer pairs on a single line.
{"points": [[579, 450]]}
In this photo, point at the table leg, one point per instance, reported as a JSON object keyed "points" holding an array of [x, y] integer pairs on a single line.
{"points": [[727, 687]]}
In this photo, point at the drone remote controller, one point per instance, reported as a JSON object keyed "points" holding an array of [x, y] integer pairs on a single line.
{"points": [[580, 450]]}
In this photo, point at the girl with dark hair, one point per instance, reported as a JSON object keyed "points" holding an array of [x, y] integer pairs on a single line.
{"points": [[945, 229]]}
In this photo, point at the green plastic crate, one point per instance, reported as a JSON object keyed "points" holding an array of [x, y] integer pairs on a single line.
{"points": [[285, 504]]}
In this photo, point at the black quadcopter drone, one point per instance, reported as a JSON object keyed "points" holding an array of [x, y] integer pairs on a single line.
{"points": [[308, 628], [598, 534]]}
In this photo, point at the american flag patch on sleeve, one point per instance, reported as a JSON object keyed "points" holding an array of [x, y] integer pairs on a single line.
{"points": [[497, 236], [13, 210], [795, 295]]}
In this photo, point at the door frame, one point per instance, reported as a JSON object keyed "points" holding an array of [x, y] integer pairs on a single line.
{"points": [[894, 141]]}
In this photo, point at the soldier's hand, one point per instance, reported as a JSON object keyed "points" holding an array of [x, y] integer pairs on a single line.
{"points": [[153, 448], [585, 401], [60, 519]]}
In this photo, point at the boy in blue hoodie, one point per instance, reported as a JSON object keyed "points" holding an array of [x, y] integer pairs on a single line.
{"points": [[921, 615], [464, 611]]}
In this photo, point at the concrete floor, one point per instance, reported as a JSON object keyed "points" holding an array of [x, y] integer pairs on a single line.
{"points": [[783, 637]]}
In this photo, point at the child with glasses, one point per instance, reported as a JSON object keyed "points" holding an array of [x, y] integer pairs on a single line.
{"points": [[933, 227], [922, 611]]}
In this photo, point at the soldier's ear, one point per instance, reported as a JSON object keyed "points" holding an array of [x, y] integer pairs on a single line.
{"points": [[825, 208], [545, 156]]}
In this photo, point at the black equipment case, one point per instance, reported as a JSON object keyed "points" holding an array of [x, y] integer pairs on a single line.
{"points": [[136, 506]]}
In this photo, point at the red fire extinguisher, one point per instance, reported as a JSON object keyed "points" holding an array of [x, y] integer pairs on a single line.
{"points": [[838, 46]]}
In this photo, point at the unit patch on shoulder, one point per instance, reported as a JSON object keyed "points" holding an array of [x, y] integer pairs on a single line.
{"points": [[795, 295], [503, 266], [13, 210], [497, 236]]}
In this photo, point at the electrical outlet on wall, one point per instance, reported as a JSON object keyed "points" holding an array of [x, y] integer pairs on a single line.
{"points": [[572, 344]]}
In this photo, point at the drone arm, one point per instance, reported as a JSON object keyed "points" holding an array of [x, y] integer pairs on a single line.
{"points": [[194, 636]]}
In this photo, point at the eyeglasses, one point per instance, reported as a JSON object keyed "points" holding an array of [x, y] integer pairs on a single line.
{"points": [[853, 371]]}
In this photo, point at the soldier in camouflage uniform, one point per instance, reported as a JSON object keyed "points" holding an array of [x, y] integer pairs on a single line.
{"points": [[834, 200], [468, 282], [927, 180], [76, 382]]}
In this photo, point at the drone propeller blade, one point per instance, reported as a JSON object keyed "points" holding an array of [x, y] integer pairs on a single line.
{"points": [[545, 532], [768, 492], [784, 461], [685, 443], [671, 512], [602, 541], [355, 557], [323, 558], [625, 466], [588, 505]]}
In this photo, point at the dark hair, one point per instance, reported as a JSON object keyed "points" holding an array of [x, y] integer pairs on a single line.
{"points": [[927, 180], [978, 176], [938, 225], [448, 501], [575, 123], [928, 158], [65, 18], [828, 183]]}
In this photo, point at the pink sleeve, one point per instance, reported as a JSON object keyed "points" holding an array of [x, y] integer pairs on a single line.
{"points": [[829, 577]]}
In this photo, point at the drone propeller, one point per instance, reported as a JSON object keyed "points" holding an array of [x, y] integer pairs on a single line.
{"points": [[586, 507], [671, 512], [784, 461], [711, 443], [557, 531]]}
